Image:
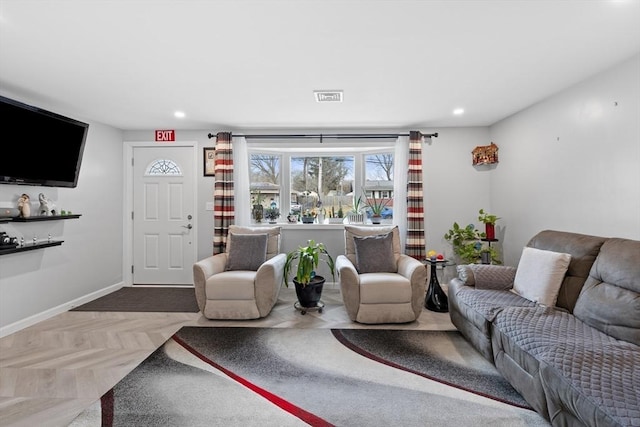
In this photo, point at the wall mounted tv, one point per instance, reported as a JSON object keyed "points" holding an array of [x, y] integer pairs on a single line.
{"points": [[39, 147]]}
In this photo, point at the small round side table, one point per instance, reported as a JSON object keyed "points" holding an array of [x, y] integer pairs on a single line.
{"points": [[436, 299]]}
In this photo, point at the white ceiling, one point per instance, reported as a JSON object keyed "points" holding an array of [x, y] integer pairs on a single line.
{"points": [[254, 64]]}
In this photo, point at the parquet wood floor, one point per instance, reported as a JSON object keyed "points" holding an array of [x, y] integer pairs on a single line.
{"points": [[50, 372]]}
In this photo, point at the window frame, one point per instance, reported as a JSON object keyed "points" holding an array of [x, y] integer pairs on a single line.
{"points": [[288, 149]]}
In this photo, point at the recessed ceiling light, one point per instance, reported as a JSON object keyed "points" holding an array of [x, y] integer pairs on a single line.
{"points": [[328, 95], [458, 111], [179, 114]]}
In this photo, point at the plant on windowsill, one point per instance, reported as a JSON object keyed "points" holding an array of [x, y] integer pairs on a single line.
{"points": [[308, 217], [377, 207], [257, 211], [356, 216], [272, 215], [308, 284]]}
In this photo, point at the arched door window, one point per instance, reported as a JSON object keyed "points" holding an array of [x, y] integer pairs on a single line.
{"points": [[163, 167]]}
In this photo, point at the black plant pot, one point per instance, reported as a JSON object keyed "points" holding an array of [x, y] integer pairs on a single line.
{"points": [[309, 295]]}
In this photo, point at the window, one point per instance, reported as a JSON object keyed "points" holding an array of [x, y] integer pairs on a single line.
{"points": [[325, 178], [378, 183], [321, 183], [163, 167], [265, 173]]}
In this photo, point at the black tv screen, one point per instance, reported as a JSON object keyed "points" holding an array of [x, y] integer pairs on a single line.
{"points": [[39, 147]]}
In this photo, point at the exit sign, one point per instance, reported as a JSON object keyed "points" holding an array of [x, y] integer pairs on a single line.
{"points": [[165, 135]]}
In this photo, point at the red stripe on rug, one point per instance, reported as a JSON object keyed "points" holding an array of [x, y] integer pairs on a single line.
{"points": [[289, 407], [106, 409], [343, 340]]}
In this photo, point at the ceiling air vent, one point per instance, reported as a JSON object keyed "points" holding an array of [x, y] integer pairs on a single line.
{"points": [[328, 95]]}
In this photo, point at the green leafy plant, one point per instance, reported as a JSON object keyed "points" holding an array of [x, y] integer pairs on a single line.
{"points": [[272, 214], [486, 217], [376, 205], [307, 257], [466, 243], [358, 205]]}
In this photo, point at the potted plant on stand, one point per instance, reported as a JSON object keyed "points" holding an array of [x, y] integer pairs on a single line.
{"points": [[308, 284], [489, 221], [467, 245]]}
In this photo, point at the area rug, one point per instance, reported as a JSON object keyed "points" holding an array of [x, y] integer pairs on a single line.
{"points": [[145, 299], [229, 376]]}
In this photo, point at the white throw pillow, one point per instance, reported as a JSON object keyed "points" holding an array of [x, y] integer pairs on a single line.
{"points": [[540, 274]]}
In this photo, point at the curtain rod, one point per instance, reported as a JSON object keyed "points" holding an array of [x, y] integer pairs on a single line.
{"points": [[321, 136]]}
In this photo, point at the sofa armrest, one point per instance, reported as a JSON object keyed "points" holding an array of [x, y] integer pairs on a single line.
{"points": [[349, 285], [268, 283], [204, 269], [416, 272]]}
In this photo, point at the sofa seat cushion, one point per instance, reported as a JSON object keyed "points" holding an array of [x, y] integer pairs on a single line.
{"points": [[487, 303], [388, 288], [590, 374], [597, 384]]}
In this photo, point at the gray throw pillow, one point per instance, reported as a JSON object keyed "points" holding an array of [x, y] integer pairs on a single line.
{"points": [[497, 277], [246, 251], [487, 276], [374, 254]]}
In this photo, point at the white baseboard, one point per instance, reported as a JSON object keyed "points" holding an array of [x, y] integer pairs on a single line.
{"points": [[32, 320]]}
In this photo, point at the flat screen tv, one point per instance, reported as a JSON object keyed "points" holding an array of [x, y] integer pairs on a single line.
{"points": [[39, 147]]}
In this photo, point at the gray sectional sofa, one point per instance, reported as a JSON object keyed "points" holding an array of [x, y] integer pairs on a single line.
{"points": [[576, 362]]}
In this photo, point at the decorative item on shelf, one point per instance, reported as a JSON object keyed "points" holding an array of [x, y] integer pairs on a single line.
{"points": [[376, 207], [308, 284], [485, 154], [24, 205], [272, 214], [292, 218], [489, 221], [47, 207]]}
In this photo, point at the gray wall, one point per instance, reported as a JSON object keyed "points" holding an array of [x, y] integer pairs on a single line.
{"points": [[586, 181], [36, 284], [572, 162]]}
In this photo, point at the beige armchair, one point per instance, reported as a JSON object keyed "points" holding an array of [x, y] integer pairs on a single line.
{"points": [[245, 281], [379, 284]]}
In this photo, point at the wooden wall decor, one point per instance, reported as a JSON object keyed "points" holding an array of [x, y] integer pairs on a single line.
{"points": [[485, 154]]}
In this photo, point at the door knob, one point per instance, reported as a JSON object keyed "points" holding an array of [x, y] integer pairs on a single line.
{"points": [[189, 226]]}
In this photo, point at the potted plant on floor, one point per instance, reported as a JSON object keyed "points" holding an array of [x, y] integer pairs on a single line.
{"points": [[308, 284]]}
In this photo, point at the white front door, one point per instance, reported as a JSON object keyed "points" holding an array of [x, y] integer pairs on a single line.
{"points": [[163, 207]]}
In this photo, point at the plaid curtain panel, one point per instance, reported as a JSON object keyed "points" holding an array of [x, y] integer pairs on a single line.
{"points": [[414, 245], [223, 193]]}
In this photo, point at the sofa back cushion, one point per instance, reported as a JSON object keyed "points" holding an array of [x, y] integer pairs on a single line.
{"points": [[273, 233], [583, 250], [352, 231], [610, 298]]}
